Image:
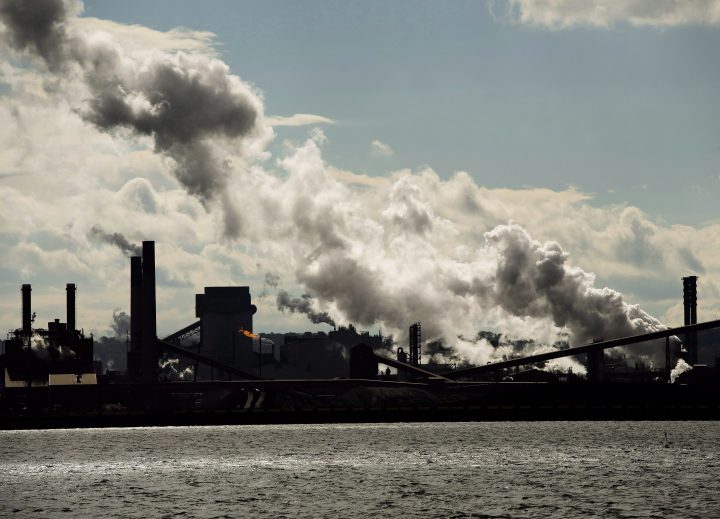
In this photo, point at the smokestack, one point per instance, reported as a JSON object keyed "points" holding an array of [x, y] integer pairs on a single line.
{"points": [[26, 310], [690, 299], [690, 307], [149, 324], [70, 288], [415, 339], [136, 297], [136, 319]]}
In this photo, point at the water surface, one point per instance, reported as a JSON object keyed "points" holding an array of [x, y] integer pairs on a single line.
{"points": [[500, 469]]}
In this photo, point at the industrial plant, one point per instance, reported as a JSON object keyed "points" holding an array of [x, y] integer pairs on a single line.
{"points": [[218, 370]]}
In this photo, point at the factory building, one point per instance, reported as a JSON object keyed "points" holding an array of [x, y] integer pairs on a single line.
{"points": [[230, 374], [226, 325], [57, 355]]}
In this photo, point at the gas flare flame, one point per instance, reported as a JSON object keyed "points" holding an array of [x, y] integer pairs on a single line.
{"points": [[248, 334]]}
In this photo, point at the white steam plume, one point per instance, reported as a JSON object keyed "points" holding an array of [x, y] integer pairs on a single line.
{"points": [[389, 256], [680, 368], [42, 349]]}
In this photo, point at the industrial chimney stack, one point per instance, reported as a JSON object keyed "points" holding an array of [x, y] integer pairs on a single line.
{"points": [[690, 307], [149, 355], [71, 290], [26, 310]]}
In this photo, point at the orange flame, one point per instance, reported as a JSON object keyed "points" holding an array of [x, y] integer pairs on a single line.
{"points": [[248, 334]]}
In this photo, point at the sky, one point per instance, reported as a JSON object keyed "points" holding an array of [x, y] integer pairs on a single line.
{"points": [[393, 161]]}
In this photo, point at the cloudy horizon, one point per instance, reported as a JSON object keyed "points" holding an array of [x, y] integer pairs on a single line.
{"points": [[564, 181]]}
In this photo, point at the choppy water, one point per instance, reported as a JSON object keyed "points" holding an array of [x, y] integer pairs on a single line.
{"points": [[526, 469]]}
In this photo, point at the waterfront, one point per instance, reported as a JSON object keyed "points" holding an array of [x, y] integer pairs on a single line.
{"points": [[500, 469]]}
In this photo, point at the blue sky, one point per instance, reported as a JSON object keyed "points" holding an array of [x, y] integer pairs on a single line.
{"points": [[444, 145], [629, 114]]}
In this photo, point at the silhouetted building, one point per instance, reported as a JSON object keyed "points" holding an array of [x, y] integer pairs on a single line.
{"points": [[225, 313], [56, 355]]}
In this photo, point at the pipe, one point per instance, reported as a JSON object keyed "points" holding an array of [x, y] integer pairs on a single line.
{"points": [[71, 290], [26, 310]]}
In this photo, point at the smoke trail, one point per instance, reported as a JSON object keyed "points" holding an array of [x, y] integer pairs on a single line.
{"points": [[302, 305], [187, 103], [116, 239]]}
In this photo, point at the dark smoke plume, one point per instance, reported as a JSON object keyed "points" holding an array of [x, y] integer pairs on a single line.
{"points": [[116, 239], [120, 324], [185, 102], [302, 305], [37, 26]]}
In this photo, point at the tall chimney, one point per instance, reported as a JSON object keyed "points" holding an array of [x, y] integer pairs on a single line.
{"points": [[690, 308], [136, 297], [136, 319], [149, 324], [70, 288], [690, 299], [26, 310]]}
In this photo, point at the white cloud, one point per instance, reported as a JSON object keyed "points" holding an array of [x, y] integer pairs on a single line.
{"points": [[297, 120], [142, 38], [380, 149], [561, 14]]}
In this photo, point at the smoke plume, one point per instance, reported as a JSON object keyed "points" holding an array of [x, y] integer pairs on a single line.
{"points": [[120, 324], [38, 27], [532, 279], [42, 349], [302, 305], [680, 368], [116, 239], [388, 256], [187, 103]]}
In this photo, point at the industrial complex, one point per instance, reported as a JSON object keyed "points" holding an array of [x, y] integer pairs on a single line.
{"points": [[217, 370]]}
